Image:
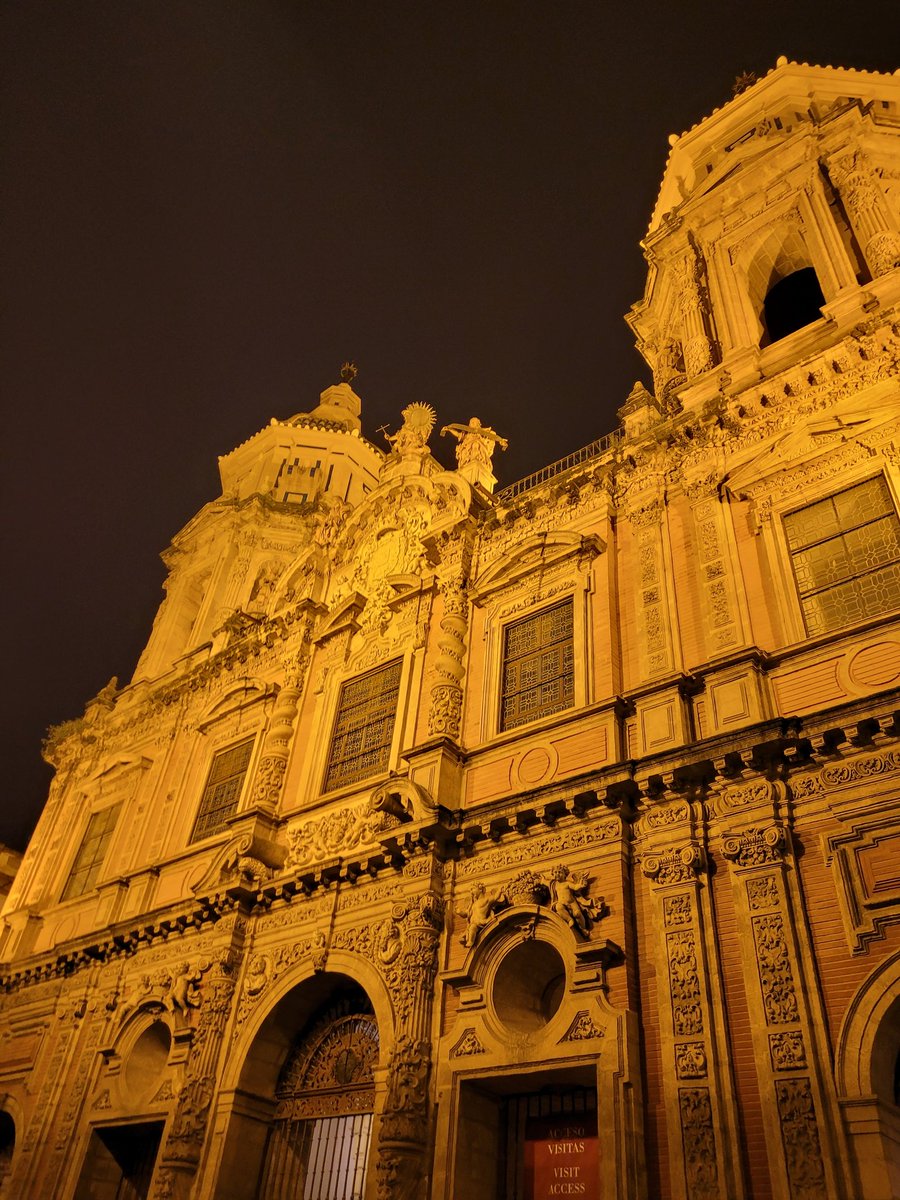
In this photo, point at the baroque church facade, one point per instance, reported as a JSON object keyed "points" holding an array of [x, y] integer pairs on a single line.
{"points": [[460, 843]]}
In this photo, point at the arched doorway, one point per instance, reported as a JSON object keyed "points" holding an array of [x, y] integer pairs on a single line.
{"points": [[318, 1143], [868, 1080], [296, 1108]]}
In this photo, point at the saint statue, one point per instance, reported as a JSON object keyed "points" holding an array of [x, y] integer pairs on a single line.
{"points": [[475, 442]]}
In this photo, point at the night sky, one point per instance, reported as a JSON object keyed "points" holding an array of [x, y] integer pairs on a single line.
{"points": [[207, 207]]}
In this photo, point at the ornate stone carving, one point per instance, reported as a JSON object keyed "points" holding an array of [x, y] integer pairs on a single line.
{"points": [[756, 847], [467, 1045], [800, 1135], [763, 893], [690, 1060], [583, 1028], [403, 1118], [684, 984], [189, 1122], [775, 975], [677, 910], [674, 866], [446, 696], [481, 906], [787, 1051], [338, 833], [699, 1141]]}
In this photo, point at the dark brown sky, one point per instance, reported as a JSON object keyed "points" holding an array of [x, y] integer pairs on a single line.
{"points": [[208, 206]]}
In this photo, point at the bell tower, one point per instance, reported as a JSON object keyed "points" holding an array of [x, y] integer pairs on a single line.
{"points": [[776, 229]]}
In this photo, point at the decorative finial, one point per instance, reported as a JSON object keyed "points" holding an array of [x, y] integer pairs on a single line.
{"points": [[349, 372], [743, 81]]}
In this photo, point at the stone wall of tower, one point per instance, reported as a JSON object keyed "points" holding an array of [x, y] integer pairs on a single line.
{"points": [[648, 865]]}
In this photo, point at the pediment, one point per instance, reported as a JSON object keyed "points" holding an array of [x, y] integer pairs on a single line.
{"points": [[118, 772], [241, 694], [821, 435], [539, 551]]}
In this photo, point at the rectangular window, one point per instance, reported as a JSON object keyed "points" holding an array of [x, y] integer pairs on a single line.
{"points": [[538, 675], [91, 852], [361, 742], [223, 789], [846, 556]]}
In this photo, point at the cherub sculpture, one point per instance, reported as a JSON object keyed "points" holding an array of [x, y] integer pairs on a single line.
{"points": [[481, 907], [183, 990], [569, 899]]}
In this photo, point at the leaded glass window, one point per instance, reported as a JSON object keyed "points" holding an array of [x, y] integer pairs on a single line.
{"points": [[538, 676], [91, 852], [361, 742], [846, 556], [223, 789]]}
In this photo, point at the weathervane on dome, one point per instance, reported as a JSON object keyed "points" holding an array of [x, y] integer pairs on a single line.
{"points": [[349, 371]]}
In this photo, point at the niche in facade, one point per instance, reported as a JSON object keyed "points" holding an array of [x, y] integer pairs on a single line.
{"points": [[147, 1061], [791, 303], [528, 986]]}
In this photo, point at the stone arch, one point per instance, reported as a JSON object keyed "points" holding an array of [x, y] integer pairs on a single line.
{"points": [[10, 1123], [866, 1067], [780, 254], [246, 1102]]}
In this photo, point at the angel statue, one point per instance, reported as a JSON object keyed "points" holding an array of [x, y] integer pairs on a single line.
{"points": [[481, 907], [569, 899]]}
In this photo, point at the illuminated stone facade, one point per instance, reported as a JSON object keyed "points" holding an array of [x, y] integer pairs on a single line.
{"points": [[471, 836]]}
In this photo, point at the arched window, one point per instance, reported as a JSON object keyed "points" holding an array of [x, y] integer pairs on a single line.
{"points": [[791, 303], [319, 1140]]}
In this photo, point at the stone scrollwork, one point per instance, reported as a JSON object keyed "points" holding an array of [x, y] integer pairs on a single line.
{"points": [[756, 847], [800, 1135], [775, 975], [674, 866], [341, 831]]}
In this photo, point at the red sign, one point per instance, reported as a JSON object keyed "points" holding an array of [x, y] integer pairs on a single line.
{"points": [[561, 1157]]}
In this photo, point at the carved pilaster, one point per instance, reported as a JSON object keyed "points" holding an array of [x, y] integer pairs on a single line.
{"points": [[647, 515], [695, 1075], [719, 603], [180, 1151], [790, 1045]]}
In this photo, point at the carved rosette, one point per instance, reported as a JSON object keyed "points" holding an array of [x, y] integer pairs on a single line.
{"points": [[446, 696]]}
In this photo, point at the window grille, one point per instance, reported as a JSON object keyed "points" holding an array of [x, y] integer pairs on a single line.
{"points": [[538, 676], [846, 556], [319, 1139], [223, 789], [361, 742], [91, 852]]}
